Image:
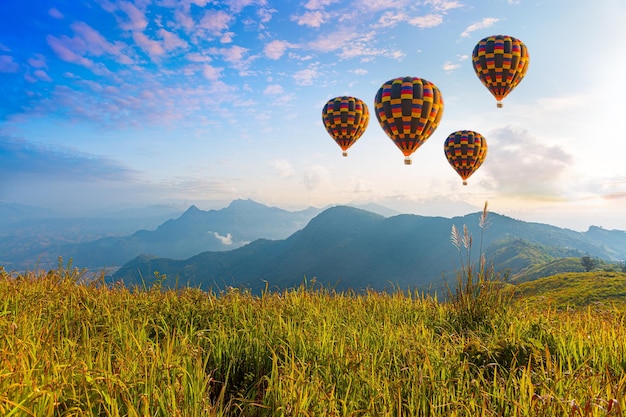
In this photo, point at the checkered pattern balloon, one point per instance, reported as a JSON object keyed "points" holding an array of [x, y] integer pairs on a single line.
{"points": [[500, 63], [345, 119], [466, 151], [409, 110]]}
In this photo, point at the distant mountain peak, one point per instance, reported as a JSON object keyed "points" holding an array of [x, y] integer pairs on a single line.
{"points": [[192, 209], [192, 212], [245, 203]]}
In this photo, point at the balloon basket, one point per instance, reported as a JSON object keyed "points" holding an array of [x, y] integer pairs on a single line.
{"points": [[499, 104], [407, 161], [464, 182], [344, 153]]}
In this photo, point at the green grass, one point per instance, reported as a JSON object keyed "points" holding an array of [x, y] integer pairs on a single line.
{"points": [[69, 348], [576, 289]]}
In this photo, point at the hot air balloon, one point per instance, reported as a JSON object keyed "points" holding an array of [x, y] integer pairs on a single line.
{"points": [[409, 110], [466, 151], [345, 118], [500, 62]]}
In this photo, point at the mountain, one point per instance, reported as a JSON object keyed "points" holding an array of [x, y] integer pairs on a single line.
{"points": [[192, 232], [350, 248], [27, 232]]}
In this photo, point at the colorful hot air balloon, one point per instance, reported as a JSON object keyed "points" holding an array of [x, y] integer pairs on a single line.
{"points": [[409, 110], [466, 151], [345, 118], [500, 62]]}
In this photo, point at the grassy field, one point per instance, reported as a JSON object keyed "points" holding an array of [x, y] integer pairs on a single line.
{"points": [[74, 349]]}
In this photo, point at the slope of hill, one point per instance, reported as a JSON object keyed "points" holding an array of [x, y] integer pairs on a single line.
{"points": [[349, 248], [575, 289], [545, 269]]}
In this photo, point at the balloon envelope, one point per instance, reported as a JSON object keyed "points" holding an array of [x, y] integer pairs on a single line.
{"points": [[345, 119], [409, 110], [466, 151], [500, 63]]}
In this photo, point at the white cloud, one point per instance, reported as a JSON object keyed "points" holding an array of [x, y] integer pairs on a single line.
{"points": [[171, 40], [306, 76], [153, 48], [312, 19], [428, 21], [521, 164], [276, 49], [282, 167], [227, 37], [370, 6], [185, 20], [211, 73], [225, 240], [234, 54], [273, 89], [198, 57], [318, 4], [329, 43], [449, 66], [215, 21], [317, 177], [136, 18], [483, 24], [444, 5], [391, 19]]}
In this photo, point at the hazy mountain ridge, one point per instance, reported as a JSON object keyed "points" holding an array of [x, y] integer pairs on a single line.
{"points": [[192, 232], [31, 236], [351, 248], [344, 246]]}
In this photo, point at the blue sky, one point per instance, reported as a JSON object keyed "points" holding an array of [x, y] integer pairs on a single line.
{"points": [[111, 103]]}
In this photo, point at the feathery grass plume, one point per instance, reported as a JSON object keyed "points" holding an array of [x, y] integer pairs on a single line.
{"points": [[466, 238], [482, 223], [455, 238], [478, 297]]}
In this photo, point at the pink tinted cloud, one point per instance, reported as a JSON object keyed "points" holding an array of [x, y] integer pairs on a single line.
{"points": [[136, 18], [55, 13], [7, 65], [151, 47], [211, 73], [96, 44], [276, 49], [234, 54], [87, 41], [42, 75], [312, 19], [64, 48], [37, 61], [184, 20], [215, 21], [171, 40]]}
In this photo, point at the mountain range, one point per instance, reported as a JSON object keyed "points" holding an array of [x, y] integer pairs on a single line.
{"points": [[33, 237], [350, 248]]}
